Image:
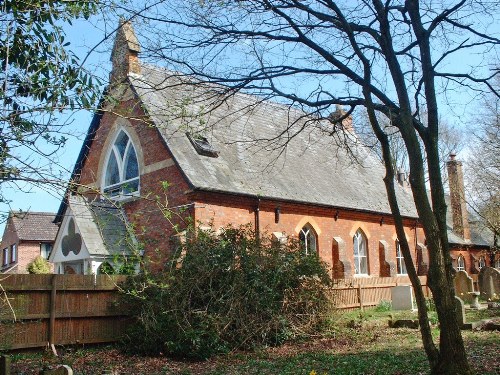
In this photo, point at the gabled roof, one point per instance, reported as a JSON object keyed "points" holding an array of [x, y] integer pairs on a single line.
{"points": [[264, 149], [34, 226], [102, 225]]}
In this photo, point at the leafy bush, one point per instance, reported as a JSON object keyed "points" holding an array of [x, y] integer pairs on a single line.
{"points": [[38, 266], [224, 292], [384, 305]]}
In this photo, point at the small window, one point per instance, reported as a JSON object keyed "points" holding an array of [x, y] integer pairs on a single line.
{"points": [[482, 262], [360, 253], [45, 249], [13, 253], [460, 263], [202, 145], [497, 263], [5, 257], [121, 177], [307, 237], [400, 260]]}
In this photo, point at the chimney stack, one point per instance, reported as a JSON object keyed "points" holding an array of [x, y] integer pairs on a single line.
{"points": [[457, 198], [125, 55], [345, 123]]}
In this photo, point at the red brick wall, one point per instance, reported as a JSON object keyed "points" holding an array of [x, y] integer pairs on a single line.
{"points": [[220, 210], [471, 257]]}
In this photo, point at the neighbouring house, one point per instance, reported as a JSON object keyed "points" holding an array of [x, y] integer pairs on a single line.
{"points": [[168, 150], [27, 235]]}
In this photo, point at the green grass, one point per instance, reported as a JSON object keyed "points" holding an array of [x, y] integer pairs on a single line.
{"points": [[367, 347]]}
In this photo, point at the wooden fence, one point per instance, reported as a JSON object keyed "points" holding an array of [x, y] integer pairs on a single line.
{"points": [[368, 291], [39, 310]]}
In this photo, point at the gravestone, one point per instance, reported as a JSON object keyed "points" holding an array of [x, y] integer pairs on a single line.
{"points": [[463, 286], [460, 311], [402, 297], [489, 283], [61, 370]]}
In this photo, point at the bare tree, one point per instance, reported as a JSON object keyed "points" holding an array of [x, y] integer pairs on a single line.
{"points": [[391, 58], [483, 169]]}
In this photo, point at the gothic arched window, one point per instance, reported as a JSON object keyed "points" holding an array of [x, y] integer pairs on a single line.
{"points": [[307, 237], [121, 176], [360, 253]]}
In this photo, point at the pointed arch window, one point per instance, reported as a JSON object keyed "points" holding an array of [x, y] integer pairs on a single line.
{"points": [[121, 176], [460, 263], [360, 253], [400, 260], [482, 262], [308, 239]]}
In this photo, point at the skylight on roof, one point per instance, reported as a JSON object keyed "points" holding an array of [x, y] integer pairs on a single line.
{"points": [[202, 145]]}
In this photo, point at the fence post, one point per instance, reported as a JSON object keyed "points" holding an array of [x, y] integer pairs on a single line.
{"points": [[359, 297], [4, 365], [52, 311]]}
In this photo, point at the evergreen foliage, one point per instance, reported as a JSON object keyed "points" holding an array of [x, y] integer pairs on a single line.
{"points": [[225, 292]]}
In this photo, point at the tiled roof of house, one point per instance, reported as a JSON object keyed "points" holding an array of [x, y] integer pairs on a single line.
{"points": [[34, 226], [263, 149]]}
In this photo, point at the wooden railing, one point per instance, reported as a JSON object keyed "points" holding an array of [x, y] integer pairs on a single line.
{"points": [[40, 310]]}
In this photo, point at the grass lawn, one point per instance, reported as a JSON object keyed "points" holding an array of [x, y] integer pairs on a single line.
{"points": [[356, 344]]}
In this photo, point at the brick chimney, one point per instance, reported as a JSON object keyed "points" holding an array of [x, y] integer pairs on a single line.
{"points": [[457, 198], [125, 55], [339, 113]]}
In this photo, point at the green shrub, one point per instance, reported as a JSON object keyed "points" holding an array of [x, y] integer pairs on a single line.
{"points": [[383, 306], [224, 292], [38, 266]]}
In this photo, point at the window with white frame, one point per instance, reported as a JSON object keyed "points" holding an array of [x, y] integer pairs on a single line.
{"points": [[121, 175], [401, 266], [308, 239], [460, 263], [360, 253], [482, 262], [13, 253], [5, 256]]}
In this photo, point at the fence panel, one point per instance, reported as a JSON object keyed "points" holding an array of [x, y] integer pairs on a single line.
{"points": [[38, 310]]}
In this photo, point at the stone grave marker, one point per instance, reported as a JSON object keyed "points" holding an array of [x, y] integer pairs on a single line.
{"points": [[463, 286], [460, 311], [61, 370], [489, 283], [402, 297]]}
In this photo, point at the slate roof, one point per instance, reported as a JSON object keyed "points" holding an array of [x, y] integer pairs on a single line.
{"points": [[261, 150], [102, 226], [34, 226]]}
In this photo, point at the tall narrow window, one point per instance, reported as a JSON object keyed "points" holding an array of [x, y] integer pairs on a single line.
{"points": [[460, 263], [482, 262], [307, 237], [360, 253], [13, 253], [121, 176], [5, 256], [400, 260]]}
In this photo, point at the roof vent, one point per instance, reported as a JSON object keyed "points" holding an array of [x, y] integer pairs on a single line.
{"points": [[202, 146]]}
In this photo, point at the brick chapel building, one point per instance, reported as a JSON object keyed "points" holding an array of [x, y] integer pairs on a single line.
{"points": [[166, 140]]}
